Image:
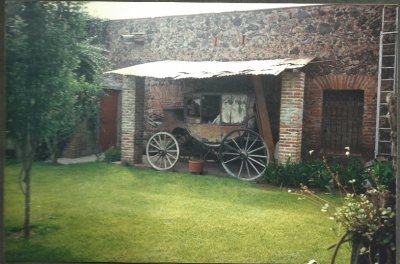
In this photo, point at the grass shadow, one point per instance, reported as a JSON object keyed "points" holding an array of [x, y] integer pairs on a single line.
{"points": [[40, 229], [25, 251]]}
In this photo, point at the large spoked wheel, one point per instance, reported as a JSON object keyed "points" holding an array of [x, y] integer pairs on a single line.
{"points": [[162, 151], [244, 154]]}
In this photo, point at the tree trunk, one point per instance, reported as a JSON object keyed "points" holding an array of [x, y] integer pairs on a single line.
{"points": [[53, 149], [28, 154], [27, 180]]}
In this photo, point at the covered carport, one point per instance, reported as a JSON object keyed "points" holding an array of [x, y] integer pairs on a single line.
{"points": [[291, 104]]}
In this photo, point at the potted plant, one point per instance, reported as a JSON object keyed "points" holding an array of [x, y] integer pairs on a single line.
{"points": [[196, 160], [196, 166]]}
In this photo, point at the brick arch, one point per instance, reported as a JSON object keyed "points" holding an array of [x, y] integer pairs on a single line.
{"points": [[313, 107], [343, 82]]}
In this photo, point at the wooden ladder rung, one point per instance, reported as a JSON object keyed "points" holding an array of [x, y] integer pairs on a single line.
{"points": [[389, 32]]}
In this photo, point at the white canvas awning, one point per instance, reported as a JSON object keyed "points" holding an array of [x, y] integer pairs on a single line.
{"points": [[208, 69]]}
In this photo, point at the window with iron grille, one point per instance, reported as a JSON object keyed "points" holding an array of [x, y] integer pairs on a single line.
{"points": [[342, 115]]}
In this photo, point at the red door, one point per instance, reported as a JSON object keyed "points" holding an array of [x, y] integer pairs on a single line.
{"points": [[109, 119]]}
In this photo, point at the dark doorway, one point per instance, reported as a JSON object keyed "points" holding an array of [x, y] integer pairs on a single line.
{"points": [[109, 119], [342, 115]]}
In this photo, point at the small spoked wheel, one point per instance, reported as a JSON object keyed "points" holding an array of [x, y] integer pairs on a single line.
{"points": [[162, 151], [244, 154]]}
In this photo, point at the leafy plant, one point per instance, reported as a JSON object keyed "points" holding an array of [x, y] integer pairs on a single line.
{"points": [[382, 175], [290, 174], [367, 218], [318, 174], [197, 150], [351, 174], [112, 154], [370, 227]]}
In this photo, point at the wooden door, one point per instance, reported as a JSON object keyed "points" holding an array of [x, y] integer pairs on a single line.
{"points": [[109, 119]]}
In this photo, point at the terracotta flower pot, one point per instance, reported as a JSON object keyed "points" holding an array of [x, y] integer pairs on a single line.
{"points": [[196, 166]]}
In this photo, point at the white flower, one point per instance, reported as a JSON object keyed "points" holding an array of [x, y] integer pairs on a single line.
{"points": [[347, 148], [347, 153], [363, 250], [311, 152], [289, 191], [352, 181], [313, 261], [325, 208]]}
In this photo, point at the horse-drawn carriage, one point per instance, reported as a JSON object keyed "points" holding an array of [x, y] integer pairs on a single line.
{"points": [[223, 124]]}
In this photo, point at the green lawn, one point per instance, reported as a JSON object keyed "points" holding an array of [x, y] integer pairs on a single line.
{"points": [[109, 213]]}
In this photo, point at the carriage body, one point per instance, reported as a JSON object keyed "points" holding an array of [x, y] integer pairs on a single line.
{"points": [[210, 116], [221, 122]]}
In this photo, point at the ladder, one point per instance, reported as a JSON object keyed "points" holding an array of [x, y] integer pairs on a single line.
{"points": [[388, 47]]}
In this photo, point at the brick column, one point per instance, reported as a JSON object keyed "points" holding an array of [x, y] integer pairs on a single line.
{"points": [[291, 117], [132, 117]]}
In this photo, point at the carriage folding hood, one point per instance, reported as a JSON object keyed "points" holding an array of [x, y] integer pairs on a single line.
{"points": [[207, 69]]}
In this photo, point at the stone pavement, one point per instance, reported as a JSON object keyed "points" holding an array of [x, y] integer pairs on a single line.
{"points": [[66, 161], [210, 167]]}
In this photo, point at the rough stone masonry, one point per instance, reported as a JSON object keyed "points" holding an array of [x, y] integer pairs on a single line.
{"points": [[343, 38]]}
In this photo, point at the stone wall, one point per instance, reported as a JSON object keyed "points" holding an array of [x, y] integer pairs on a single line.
{"points": [[343, 38], [346, 35]]}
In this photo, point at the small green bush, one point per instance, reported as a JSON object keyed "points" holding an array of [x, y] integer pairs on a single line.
{"points": [[316, 174], [381, 174], [112, 154], [295, 174], [350, 172]]}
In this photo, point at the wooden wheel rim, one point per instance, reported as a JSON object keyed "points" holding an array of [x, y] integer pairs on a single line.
{"points": [[244, 154], [162, 151]]}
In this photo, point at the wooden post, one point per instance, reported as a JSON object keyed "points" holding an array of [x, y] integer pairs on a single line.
{"points": [[262, 116], [397, 171]]}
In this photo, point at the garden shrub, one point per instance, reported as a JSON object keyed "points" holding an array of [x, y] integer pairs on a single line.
{"points": [[350, 172], [295, 174], [319, 177], [316, 174], [381, 174], [369, 226], [367, 215], [112, 154], [369, 218]]}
